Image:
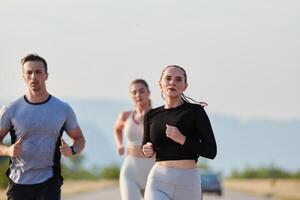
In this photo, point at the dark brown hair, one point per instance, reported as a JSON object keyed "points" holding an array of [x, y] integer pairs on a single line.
{"points": [[34, 57]]}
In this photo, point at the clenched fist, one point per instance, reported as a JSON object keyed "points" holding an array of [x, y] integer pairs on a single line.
{"points": [[65, 149], [173, 133], [15, 149], [148, 150]]}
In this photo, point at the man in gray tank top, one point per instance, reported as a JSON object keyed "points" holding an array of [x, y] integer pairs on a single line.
{"points": [[36, 123]]}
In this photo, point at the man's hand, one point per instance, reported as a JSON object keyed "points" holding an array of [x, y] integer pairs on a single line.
{"points": [[15, 150], [65, 149]]}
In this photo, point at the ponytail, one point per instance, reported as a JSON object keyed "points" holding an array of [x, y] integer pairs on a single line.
{"points": [[186, 99]]}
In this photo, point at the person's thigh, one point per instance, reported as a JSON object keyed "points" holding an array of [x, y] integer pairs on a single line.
{"points": [[130, 190], [156, 190], [51, 194], [192, 192], [50, 190], [156, 195], [17, 192], [129, 187]]}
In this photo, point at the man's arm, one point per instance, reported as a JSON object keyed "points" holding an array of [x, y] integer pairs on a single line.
{"points": [[12, 150], [78, 142], [3, 148]]}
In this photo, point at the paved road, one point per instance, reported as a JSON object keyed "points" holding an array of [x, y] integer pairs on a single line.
{"points": [[107, 194], [113, 194]]}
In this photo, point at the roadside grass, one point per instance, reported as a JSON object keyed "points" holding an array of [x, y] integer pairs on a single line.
{"points": [[282, 189]]}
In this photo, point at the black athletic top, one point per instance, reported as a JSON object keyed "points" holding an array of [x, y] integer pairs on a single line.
{"points": [[192, 121]]}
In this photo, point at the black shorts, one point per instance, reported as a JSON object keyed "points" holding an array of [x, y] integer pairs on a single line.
{"points": [[48, 190]]}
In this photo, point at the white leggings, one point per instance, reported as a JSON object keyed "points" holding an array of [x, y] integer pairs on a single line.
{"points": [[173, 184], [133, 177]]}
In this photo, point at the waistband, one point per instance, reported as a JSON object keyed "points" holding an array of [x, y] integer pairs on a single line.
{"points": [[175, 176]]}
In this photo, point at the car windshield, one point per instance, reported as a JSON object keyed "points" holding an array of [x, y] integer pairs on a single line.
{"points": [[209, 177]]}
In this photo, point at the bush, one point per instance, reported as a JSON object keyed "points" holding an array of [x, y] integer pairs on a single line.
{"points": [[263, 172], [4, 163], [77, 173], [110, 172]]}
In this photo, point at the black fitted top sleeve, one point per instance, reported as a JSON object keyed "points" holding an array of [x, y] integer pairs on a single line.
{"points": [[206, 145], [192, 121], [146, 137]]}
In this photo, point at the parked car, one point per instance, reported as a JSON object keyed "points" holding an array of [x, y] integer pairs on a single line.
{"points": [[211, 182]]}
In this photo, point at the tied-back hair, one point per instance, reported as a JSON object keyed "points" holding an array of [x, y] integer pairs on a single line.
{"points": [[183, 96], [186, 99]]}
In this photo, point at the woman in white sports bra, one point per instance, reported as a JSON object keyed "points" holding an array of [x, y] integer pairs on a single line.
{"points": [[135, 168]]}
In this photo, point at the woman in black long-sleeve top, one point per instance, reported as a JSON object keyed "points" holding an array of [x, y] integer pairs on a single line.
{"points": [[178, 133]]}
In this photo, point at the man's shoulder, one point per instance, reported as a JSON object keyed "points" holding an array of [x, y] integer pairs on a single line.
{"points": [[11, 106], [14, 103], [63, 106], [59, 101]]}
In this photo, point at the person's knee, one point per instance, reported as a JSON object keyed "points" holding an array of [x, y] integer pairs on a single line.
{"points": [[130, 190], [156, 195]]}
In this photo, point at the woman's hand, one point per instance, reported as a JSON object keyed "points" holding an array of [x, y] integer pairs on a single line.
{"points": [[148, 150], [121, 149], [173, 133]]}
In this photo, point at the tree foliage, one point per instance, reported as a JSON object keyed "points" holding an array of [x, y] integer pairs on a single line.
{"points": [[272, 172]]}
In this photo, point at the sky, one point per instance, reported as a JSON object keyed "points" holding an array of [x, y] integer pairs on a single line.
{"points": [[241, 57]]}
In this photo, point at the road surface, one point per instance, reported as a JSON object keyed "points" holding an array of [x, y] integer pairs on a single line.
{"points": [[113, 194]]}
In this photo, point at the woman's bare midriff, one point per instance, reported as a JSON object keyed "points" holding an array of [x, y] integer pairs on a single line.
{"points": [[135, 151], [180, 164]]}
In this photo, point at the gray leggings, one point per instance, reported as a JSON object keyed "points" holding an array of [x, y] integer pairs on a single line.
{"points": [[173, 184], [133, 177]]}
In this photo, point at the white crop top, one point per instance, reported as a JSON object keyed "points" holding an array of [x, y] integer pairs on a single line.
{"points": [[133, 132]]}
